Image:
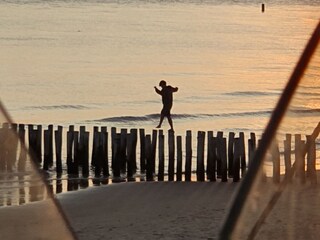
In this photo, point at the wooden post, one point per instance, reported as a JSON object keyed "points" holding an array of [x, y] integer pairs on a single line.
{"points": [[134, 135], [299, 158], [154, 147], [23, 154], [230, 153], [252, 145], [70, 148], [142, 151], [94, 146], [104, 152], [46, 150], [82, 131], [75, 165], [236, 160], [123, 150], [311, 160], [98, 154], [179, 158], [219, 137], [116, 154], [130, 164], [149, 167], [2, 150], [188, 163], [161, 156], [13, 146], [243, 154], [200, 156], [113, 136], [287, 154], [32, 142], [209, 169], [223, 154], [276, 161], [58, 144], [50, 135], [171, 155], [85, 159], [39, 143]]}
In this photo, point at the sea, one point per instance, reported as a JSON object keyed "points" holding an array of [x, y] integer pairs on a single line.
{"points": [[96, 62]]}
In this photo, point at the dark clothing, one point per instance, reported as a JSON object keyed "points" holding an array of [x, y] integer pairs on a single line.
{"points": [[167, 99]]}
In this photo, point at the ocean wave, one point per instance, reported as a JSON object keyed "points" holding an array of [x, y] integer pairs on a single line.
{"points": [[305, 111], [252, 93], [151, 117], [57, 107]]}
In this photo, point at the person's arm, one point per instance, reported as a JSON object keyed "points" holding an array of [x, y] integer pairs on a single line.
{"points": [[175, 89], [157, 90]]}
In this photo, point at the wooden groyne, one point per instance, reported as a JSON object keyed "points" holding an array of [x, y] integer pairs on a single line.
{"points": [[113, 153]]}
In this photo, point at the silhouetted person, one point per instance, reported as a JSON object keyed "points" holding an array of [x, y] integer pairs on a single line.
{"points": [[167, 100]]}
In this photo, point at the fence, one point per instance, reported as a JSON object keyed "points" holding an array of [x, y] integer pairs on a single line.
{"points": [[219, 156]]}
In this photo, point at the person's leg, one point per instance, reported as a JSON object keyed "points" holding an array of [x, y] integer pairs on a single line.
{"points": [[161, 120], [170, 122]]}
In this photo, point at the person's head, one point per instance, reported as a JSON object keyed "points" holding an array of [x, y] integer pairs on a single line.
{"points": [[162, 83]]}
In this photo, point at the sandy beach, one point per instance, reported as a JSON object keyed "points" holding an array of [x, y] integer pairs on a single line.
{"points": [[150, 210], [161, 210], [144, 210]]}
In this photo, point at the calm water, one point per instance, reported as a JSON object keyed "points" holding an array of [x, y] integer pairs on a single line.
{"points": [[96, 62]]}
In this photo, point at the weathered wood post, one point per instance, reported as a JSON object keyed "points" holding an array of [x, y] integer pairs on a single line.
{"points": [[209, 168], [70, 148], [134, 135], [58, 144], [299, 158], [104, 152], [75, 164], [219, 137], [223, 154], [23, 154], [2, 151], [179, 158], [82, 131], [94, 146], [153, 152], [188, 163], [236, 160], [275, 153], [46, 150], [242, 154], [142, 151], [149, 166], [85, 159], [251, 147], [50, 147], [287, 154], [311, 160], [98, 154], [130, 163], [200, 156], [39, 143], [113, 136], [230, 153], [116, 155], [123, 150], [13, 149], [161, 156], [171, 155]]}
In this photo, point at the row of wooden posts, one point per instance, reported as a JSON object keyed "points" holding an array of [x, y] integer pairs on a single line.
{"points": [[225, 157]]}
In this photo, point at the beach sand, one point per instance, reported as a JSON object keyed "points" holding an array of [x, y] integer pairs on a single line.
{"points": [[135, 210], [160, 210], [149, 210]]}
